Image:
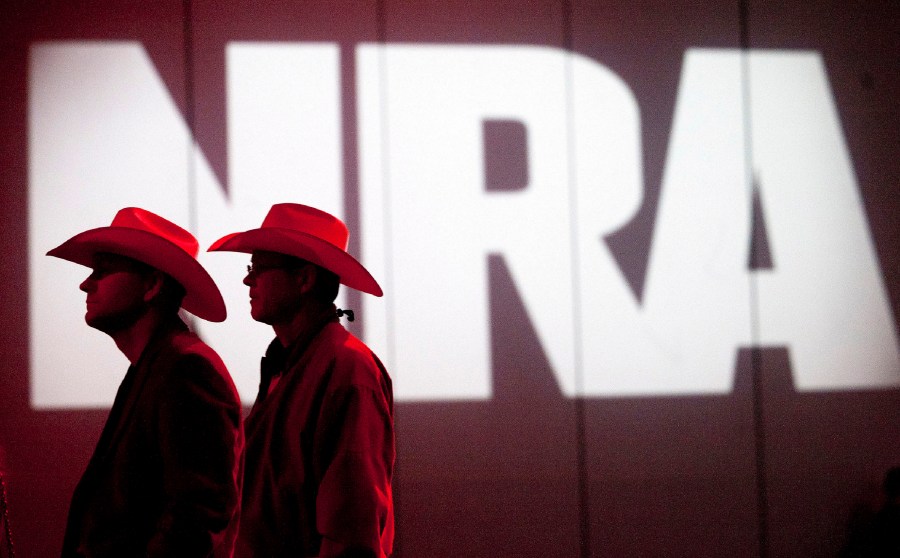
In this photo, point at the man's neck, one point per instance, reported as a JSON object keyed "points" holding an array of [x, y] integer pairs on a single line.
{"points": [[133, 340], [303, 322]]}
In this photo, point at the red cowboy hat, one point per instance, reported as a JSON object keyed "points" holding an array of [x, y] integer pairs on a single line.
{"points": [[157, 242], [306, 233]]}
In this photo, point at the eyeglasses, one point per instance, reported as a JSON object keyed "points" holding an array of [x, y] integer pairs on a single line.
{"points": [[257, 268]]}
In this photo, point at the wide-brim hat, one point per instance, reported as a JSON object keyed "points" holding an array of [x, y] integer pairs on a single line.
{"points": [[146, 237], [306, 233]]}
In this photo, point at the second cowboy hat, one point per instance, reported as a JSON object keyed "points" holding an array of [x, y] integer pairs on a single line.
{"points": [[306, 233], [157, 242]]}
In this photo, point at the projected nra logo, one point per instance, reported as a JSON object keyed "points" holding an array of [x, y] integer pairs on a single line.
{"points": [[750, 129]]}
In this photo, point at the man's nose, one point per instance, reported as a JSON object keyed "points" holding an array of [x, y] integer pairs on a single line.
{"points": [[87, 285]]}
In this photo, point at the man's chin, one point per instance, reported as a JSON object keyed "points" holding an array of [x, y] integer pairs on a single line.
{"points": [[260, 317], [109, 324], [101, 323]]}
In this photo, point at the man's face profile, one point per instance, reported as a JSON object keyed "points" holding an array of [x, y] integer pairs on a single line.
{"points": [[115, 292], [274, 288]]}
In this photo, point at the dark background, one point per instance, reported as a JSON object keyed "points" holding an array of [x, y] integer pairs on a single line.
{"points": [[763, 471]]}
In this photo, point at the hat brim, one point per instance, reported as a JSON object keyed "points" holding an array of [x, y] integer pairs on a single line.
{"points": [[306, 247], [202, 297]]}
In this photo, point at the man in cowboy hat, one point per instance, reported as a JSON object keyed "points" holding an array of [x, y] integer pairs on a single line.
{"points": [[164, 479], [320, 441]]}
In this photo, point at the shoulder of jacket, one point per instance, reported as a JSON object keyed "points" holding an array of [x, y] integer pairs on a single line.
{"points": [[343, 345], [187, 349]]}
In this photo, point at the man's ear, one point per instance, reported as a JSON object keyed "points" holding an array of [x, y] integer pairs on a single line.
{"points": [[306, 278], [153, 283]]}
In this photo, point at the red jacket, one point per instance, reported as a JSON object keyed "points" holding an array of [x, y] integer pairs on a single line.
{"points": [[320, 452]]}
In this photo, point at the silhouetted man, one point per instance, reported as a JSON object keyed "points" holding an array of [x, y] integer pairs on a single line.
{"points": [[320, 440], [164, 479]]}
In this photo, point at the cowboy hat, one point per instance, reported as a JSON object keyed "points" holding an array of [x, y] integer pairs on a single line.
{"points": [[157, 242], [306, 233]]}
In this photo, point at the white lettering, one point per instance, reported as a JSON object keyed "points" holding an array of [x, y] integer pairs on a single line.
{"points": [[105, 133], [442, 223], [825, 298], [98, 144]]}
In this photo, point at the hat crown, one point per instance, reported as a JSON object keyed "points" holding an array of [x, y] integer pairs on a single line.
{"points": [[308, 220], [143, 220]]}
